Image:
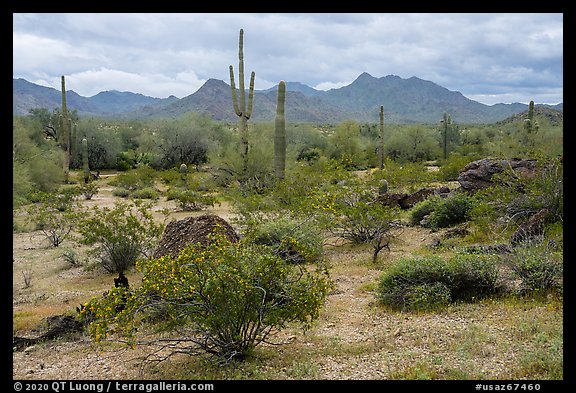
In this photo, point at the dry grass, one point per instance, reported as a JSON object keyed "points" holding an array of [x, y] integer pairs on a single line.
{"points": [[354, 338]]}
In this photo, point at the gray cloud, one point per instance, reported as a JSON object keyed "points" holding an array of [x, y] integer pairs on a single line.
{"points": [[487, 57]]}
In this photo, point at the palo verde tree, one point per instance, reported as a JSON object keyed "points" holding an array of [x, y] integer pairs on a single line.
{"points": [[221, 299], [280, 133], [240, 107]]}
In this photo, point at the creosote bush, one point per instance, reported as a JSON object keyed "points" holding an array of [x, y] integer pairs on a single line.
{"points": [[431, 282], [223, 299]]}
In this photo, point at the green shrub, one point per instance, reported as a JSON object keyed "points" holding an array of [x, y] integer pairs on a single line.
{"points": [[537, 266], [123, 233], [88, 189], [293, 240], [425, 283], [121, 192], [190, 200], [223, 299], [135, 179], [450, 168], [442, 212], [55, 216], [472, 275], [145, 193], [427, 297], [407, 176]]}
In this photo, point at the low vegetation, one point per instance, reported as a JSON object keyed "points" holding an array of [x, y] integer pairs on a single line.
{"points": [[326, 279]]}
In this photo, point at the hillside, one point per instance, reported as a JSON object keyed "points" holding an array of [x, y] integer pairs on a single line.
{"points": [[555, 117], [411, 100]]}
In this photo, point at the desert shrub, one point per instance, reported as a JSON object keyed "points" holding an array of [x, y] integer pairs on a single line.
{"points": [[135, 179], [538, 267], [515, 197], [295, 241], [121, 192], [437, 212], [472, 275], [450, 168], [424, 283], [71, 257], [145, 193], [407, 176], [223, 299], [428, 296], [88, 189], [191, 200], [356, 216], [55, 215], [123, 233]]}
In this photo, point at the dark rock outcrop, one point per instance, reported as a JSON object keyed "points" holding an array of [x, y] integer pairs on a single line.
{"points": [[58, 326], [478, 174], [407, 201], [180, 233]]}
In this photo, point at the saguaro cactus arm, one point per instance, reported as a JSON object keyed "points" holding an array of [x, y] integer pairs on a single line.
{"points": [[234, 97], [250, 96]]}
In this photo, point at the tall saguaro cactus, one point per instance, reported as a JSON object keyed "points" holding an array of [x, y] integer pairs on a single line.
{"points": [[280, 133], [65, 126], [240, 107], [381, 144], [446, 127], [530, 124], [85, 164]]}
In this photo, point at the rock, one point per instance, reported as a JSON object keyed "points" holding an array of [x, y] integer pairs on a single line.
{"points": [[58, 326], [478, 174], [391, 199], [414, 198], [180, 233], [407, 201]]}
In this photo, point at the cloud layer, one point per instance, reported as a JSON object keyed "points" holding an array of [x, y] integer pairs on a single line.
{"points": [[490, 58]]}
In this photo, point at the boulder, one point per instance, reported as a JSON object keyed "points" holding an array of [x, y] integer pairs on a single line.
{"points": [[478, 174], [407, 201], [178, 234]]}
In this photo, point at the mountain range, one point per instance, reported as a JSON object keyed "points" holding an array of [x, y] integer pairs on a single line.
{"points": [[411, 100]]}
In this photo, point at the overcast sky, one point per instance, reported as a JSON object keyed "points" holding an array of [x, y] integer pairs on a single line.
{"points": [[489, 58]]}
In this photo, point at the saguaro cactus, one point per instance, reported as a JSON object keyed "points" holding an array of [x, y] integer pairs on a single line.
{"points": [[381, 142], [183, 172], [240, 107], [65, 126], [530, 124], [280, 133], [446, 126], [85, 163]]}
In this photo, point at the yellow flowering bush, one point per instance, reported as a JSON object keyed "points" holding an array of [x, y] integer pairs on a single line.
{"points": [[222, 299]]}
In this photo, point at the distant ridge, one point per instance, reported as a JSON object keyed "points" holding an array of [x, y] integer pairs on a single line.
{"points": [[411, 100]]}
